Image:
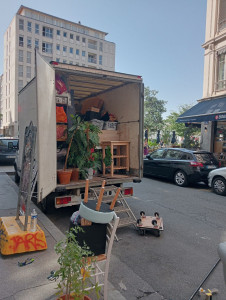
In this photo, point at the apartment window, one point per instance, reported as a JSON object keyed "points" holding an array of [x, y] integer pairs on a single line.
{"points": [[57, 59], [83, 53], [71, 62], [83, 40], [47, 32], [36, 43], [21, 41], [28, 42], [9, 75], [77, 38], [47, 47], [92, 44], [64, 61], [58, 32], [21, 55], [77, 51], [221, 83], [29, 29], [58, 47], [21, 24], [28, 72], [20, 84], [71, 50], [101, 46], [71, 36], [100, 59], [37, 28], [64, 49], [20, 71], [28, 57], [92, 58], [64, 34]]}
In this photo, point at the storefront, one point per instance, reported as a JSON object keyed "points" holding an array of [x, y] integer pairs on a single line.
{"points": [[211, 114]]}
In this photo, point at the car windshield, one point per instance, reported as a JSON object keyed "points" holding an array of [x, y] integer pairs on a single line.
{"points": [[206, 158]]}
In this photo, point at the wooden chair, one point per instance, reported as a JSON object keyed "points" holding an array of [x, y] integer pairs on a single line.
{"points": [[101, 262]]}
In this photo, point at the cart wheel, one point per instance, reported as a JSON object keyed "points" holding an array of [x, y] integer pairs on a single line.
{"points": [[156, 214], [142, 213], [154, 222]]}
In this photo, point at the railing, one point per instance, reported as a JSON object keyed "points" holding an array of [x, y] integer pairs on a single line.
{"points": [[220, 85], [222, 25], [92, 60], [92, 46]]}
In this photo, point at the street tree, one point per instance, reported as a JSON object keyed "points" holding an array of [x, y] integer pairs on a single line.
{"points": [[153, 111], [180, 129]]}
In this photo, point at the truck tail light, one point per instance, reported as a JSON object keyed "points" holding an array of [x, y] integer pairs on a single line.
{"points": [[196, 164], [128, 191], [63, 200]]}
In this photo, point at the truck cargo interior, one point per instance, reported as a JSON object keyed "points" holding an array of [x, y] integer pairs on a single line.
{"points": [[91, 94]]}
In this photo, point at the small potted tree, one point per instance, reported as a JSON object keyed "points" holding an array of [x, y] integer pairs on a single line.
{"points": [[74, 272], [83, 139]]}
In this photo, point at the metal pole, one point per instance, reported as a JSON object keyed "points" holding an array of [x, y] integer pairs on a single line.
{"points": [[193, 295]]}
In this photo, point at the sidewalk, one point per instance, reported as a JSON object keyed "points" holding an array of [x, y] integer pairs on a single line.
{"points": [[30, 282]]}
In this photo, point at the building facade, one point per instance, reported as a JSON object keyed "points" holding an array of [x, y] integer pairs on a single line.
{"points": [[211, 109], [57, 40]]}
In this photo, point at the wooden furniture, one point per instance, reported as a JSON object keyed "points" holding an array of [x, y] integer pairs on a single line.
{"points": [[119, 154]]}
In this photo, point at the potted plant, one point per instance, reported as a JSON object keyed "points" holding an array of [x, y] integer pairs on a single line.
{"points": [[74, 272], [83, 139]]}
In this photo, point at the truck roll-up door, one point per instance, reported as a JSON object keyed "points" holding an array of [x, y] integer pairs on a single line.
{"points": [[46, 131]]}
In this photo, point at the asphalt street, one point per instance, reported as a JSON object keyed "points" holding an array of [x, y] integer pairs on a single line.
{"points": [[175, 263]]}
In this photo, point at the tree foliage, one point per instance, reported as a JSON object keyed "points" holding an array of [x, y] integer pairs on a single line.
{"points": [[153, 110], [181, 130]]}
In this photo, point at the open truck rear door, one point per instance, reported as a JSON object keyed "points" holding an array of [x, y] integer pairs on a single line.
{"points": [[46, 124]]}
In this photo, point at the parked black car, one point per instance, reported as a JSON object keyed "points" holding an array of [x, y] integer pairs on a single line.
{"points": [[183, 166], [8, 148]]}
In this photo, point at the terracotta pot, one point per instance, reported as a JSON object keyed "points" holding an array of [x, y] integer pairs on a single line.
{"points": [[64, 176], [75, 174]]}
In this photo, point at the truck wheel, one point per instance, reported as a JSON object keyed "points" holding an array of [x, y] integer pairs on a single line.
{"points": [[219, 186], [180, 178], [46, 204]]}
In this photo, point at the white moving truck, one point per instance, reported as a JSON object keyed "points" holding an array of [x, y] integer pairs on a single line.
{"points": [[122, 95]]}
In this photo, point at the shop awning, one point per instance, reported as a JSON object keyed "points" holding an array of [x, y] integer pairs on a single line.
{"points": [[208, 110]]}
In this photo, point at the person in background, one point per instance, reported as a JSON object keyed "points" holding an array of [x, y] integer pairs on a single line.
{"points": [[145, 147]]}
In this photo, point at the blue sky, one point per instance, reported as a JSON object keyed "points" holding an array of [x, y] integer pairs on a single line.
{"points": [[157, 39]]}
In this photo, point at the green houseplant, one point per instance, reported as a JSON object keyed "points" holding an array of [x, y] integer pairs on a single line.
{"points": [[83, 139], [74, 272]]}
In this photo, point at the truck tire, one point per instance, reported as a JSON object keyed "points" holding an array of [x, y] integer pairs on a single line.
{"points": [[46, 204]]}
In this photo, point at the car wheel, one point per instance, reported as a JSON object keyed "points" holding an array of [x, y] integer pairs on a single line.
{"points": [[16, 177], [180, 178], [219, 186]]}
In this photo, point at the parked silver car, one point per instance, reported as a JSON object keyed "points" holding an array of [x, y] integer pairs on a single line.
{"points": [[217, 181]]}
